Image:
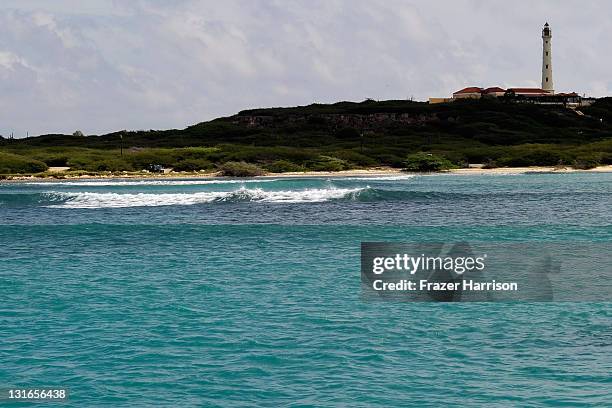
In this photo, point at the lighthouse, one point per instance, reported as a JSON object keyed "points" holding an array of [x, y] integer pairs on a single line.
{"points": [[547, 78]]}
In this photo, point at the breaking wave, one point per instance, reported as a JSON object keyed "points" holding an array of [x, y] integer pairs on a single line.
{"points": [[116, 183], [56, 199], [378, 178], [115, 200]]}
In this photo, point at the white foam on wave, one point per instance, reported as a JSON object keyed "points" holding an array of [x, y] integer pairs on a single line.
{"points": [[378, 178], [117, 200], [115, 183]]}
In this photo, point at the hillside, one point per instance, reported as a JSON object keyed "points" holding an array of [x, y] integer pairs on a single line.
{"points": [[341, 136]]}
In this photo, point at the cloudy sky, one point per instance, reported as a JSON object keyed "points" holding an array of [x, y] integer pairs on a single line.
{"points": [[105, 65]]}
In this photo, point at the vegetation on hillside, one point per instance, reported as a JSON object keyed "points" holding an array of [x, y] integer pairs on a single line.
{"points": [[240, 169], [14, 163], [421, 161], [340, 136]]}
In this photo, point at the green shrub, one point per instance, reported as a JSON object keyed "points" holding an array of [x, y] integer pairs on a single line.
{"points": [[587, 161], [390, 160], [240, 169], [193, 165], [262, 154], [354, 157], [426, 162], [606, 158], [483, 154], [14, 163], [78, 163], [56, 161], [490, 164], [109, 165], [191, 152], [283, 166], [539, 157], [328, 163], [142, 159]]}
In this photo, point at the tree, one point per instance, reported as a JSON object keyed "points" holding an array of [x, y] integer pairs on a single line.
{"points": [[78, 133], [509, 96], [426, 162]]}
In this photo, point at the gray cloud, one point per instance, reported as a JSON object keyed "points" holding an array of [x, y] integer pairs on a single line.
{"points": [[101, 66]]}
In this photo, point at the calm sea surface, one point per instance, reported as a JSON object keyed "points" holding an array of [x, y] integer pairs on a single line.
{"points": [[247, 292]]}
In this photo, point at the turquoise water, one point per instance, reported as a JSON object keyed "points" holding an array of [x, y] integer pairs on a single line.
{"points": [[247, 292]]}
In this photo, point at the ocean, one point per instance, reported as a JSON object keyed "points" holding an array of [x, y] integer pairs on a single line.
{"points": [[210, 292]]}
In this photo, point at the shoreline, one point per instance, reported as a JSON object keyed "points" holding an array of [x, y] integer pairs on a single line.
{"points": [[374, 172], [532, 169]]}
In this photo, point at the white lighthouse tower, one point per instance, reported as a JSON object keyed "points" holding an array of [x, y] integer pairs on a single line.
{"points": [[547, 77]]}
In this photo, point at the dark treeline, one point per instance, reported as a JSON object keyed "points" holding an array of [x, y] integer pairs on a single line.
{"points": [[344, 135]]}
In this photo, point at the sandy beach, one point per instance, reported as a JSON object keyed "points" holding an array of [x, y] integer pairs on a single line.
{"points": [[468, 171], [374, 172], [533, 169]]}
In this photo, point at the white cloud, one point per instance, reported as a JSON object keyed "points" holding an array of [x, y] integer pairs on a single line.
{"points": [[105, 65], [8, 60]]}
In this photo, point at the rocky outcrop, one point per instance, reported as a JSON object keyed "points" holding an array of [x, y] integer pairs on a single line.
{"points": [[334, 121]]}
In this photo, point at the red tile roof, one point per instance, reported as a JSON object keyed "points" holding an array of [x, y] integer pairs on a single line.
{"points": [[471, 89], [493, 89]]}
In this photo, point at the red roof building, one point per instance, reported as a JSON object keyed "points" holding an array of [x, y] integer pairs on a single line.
{"points": [[470, 92], [471, 89], [476, 92], [494, 89], [532, 95], [530, 91]]}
